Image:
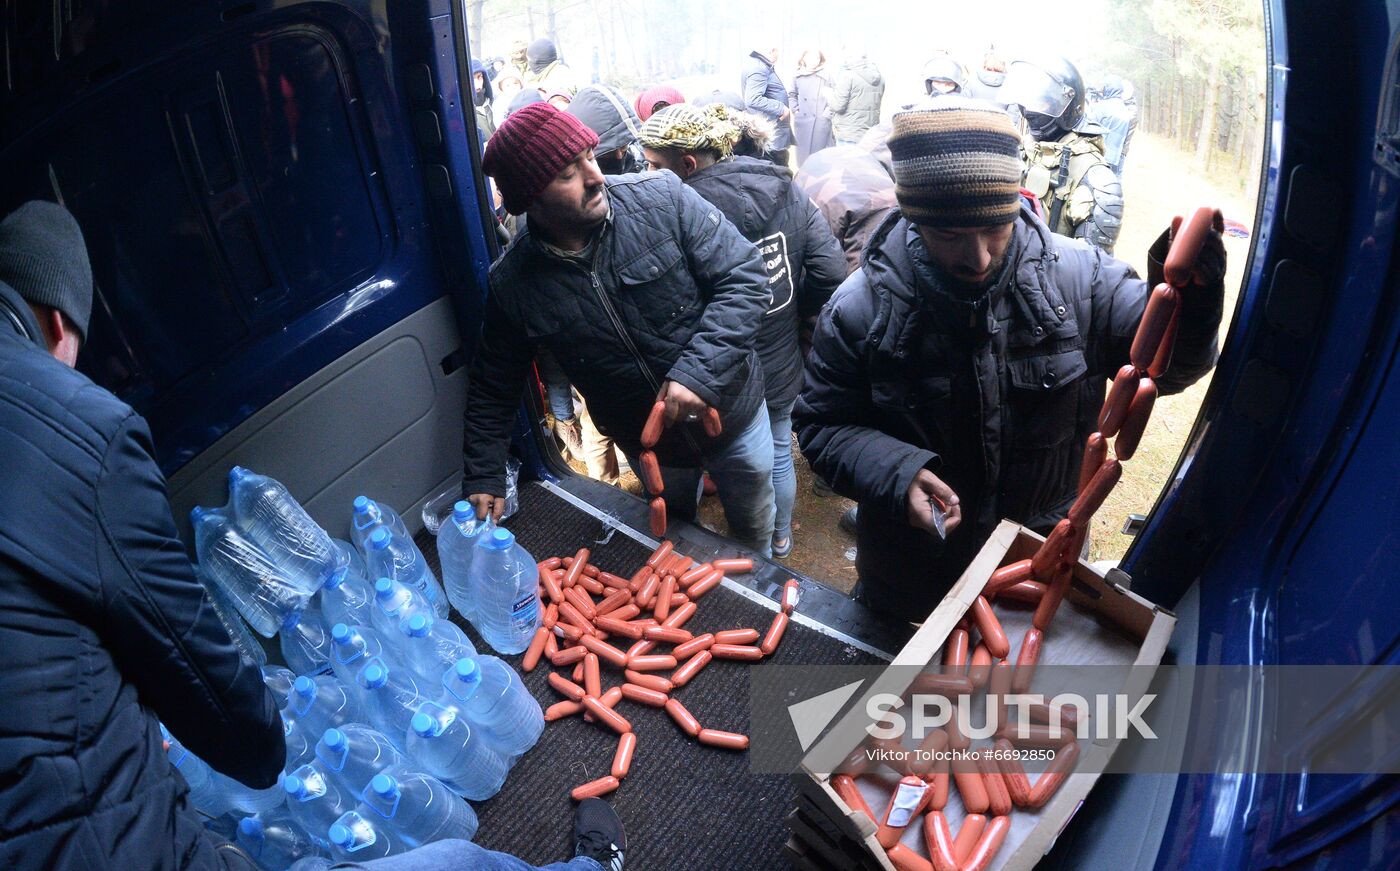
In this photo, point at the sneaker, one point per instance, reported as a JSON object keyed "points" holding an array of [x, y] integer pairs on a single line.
{"points": [[782, 547], [848, 520], [571, 436], [598, 833]]}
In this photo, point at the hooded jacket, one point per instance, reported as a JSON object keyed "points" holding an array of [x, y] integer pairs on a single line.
{"points": [[856, 99], [103, 629], [604, 110], [544, 69], [800, 255], [671, 291], [764, 94], [995, 396]]}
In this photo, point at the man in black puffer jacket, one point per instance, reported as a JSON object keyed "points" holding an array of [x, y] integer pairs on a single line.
{"points": [[643, 291], [974, 344], [103, 626], [603, 110], [803, 261]]}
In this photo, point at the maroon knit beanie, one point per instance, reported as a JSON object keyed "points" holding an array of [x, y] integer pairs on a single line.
{"points": [[530, 148]]}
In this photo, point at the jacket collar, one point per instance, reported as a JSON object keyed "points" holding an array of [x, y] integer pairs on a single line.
{"points": [[17, 318]]}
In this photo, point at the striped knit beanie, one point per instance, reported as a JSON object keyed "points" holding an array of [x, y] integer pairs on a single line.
{"points": [[530, 148], [957, 163]]}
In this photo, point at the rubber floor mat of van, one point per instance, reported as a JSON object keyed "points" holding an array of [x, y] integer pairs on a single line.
{"points": [[684, 805]]}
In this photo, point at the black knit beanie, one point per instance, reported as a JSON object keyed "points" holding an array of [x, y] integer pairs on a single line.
{"points": [[43, 257]]}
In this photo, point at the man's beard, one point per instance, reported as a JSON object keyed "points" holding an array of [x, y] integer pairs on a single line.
{"points": [[961, 288]]}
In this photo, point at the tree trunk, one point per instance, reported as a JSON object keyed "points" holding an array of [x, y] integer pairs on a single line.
{"points": [[475, 25], [551, 29], [1205, 141]]}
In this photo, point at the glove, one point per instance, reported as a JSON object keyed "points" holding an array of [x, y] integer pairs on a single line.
{"points": [[1209, 272]]}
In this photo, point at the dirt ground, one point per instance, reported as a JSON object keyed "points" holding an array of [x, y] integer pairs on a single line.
{"points": [[1159, 182]]}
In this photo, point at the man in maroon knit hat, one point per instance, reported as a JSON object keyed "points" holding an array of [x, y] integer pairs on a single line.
{"points": [[642, 291]]}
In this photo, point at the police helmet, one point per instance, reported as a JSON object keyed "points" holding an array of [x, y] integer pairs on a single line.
{"points": [[944, 69], [1050, 93]]}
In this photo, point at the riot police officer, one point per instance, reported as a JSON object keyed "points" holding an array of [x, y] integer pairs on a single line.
{"points": [[1065, 164]]}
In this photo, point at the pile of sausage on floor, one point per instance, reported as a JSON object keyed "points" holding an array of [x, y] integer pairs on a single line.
{"points": [[591, 612]]}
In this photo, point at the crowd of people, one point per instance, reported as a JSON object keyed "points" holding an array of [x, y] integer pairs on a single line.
{"points": [[620, 293]]}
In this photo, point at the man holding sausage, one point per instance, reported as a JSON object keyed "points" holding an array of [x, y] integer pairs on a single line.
{"points": [[643, 291], [959, 371]]}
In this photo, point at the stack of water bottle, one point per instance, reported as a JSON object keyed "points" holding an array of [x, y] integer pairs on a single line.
{"points": [[389, 712]]}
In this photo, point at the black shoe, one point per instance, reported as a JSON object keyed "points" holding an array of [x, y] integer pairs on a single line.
{"points": [[848, 520], [598, 833], [821, 488]]}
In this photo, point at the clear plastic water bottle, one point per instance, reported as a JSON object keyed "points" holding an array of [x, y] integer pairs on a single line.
{"points": [[393, 603], [227, 613], [351, 648], [443, 744], [322, 702], [353, 753], [306, 644], [430, 646], [301, 744], [418, 809], [279, 680], [261, 591], [311, 863], [456, 541], [346, 595], [505, 583], [316, 800], [397, 557], [205, 795], [350, 557], [367, 516], [267, 513], [274, 840], [245, 799], [391, 695], [491, 697], [357, 838]]}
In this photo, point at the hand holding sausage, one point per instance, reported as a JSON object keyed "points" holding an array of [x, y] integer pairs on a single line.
{"points": [[681, 403], [925, 488]]}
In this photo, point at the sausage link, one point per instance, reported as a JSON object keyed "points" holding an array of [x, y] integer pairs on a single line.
{"points": [[846, 788], [550, 564], [1013, 776], [656, 421], [551, 616], [1051, 554], [1026, 592], [576, 567], [790, 595], [580, 600], [652, 663], [647, 593], [710, 420], [641, 648], [947, 685], [1007, 575], [1054, 776], [980, 859], [979, 666], [1136, 423], [905, 859], [614, 626], [970, 786], [606, 715], [643, 695], [955, 652], [592, 679], [727, 740], [1095, 452], [999, 687], [662, 609], [923, 762], [1036, 736], [1152, 329], [658, 517], [551, 645], [560, 710], [614, 600], [1188, 239], [622, 757], [992, 634], [1026, 659], [536, 649], [591, 584], [1054, 594], [604, 650], [1120, 395], [608, 579], [569, 656], [1163, 358], [889, 833], [689, 648], [650, 681], [774, 636], [565, 687], [998, 799], [968, 834], [626, 612], [551, 586], [683, 675], [658, 556], [695, 573], [683, 717], [705, 585], [649, 470], [595, 788], [667, 635], [736, 636], [742, 652], [571, 615], [733, 566], [679, 616], [939, 840]]}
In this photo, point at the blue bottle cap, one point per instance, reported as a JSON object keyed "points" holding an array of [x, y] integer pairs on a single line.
{"points": [[333, 738], [418, 625], [379, 539], [197, 513], [466, 668], [423, 724], [361, 504], [463, 511], [293, 785], [237, 473], [341, 836], [304, 686], [383, 588], [340, 633], [383, 785], [499, 539], [376, 675], [250, 827]]}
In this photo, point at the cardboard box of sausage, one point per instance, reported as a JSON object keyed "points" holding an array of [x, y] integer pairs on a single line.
{"points": [[1099, 624]]}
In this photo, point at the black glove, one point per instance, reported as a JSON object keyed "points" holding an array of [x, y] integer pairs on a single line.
{"points": [[1209, 273]]}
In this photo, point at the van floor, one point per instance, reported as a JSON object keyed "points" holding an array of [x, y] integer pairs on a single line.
{"points": [[684, 805]]}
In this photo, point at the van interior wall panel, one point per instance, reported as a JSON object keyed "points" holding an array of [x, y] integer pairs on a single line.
{"points": [[384, 420], [684, 805]]}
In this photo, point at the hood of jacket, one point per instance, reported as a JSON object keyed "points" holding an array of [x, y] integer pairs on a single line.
{"points": [[540, 54], [605, 111], [763, 58], [749, 191], [866, 71], [486, 94]]}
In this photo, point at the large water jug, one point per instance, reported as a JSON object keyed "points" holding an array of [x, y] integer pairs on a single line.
{"points": [[306, 644], [353, 753], [357, 837], [429, 647], [346, 596], [367, 516], [262, 592], [274, 840], [301, 743], [322, 702], [247, 800], [350, 557], [316, 800], [456, 541], [206, 794], [391, 695], [393, 603], [492, 697], [351, 648], [279, 680], [268, 514], [443, 743], [311, 863], [418, 809], [227, 613], [505, 582], [397, 557]]}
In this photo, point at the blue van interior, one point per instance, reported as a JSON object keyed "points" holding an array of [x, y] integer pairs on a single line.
{"points": [[283, 206]]}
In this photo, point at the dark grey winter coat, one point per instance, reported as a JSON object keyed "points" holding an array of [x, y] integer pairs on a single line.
{"points": [[856, 99], [996, 397], [763, 93], [671, 292]]}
